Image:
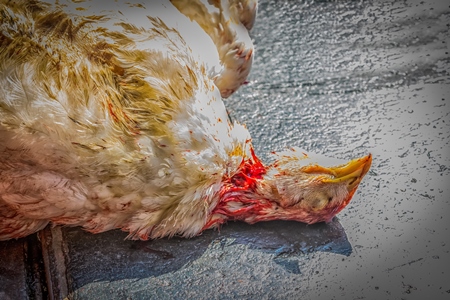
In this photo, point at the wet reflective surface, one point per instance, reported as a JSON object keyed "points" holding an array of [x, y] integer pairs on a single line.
{"points": [[118, 259], [337, 78]]}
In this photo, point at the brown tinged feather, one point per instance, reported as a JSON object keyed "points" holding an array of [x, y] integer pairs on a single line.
{"points": [[113, 118]]}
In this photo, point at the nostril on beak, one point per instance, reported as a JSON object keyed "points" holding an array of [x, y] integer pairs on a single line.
{"points": [[351, 182]]}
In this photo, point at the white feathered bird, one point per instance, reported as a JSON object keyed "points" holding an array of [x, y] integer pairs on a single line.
{"points": [[111, 116]]}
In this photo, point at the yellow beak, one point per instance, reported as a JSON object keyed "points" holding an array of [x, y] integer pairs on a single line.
{"points": [[352, 172]]}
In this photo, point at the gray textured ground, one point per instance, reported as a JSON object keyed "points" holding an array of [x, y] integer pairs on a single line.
{"points": [[339, 78]]}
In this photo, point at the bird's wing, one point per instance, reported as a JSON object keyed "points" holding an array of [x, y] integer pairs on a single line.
{"points": [[227, 23]]}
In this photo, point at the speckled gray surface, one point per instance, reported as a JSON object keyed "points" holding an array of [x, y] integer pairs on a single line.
{"points": [[342, 79], [240, 261]]}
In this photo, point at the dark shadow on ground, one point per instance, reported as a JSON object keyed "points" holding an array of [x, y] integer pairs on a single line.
{"points": [[108, 257]]}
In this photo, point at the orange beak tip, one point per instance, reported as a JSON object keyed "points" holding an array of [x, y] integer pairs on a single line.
{"points": [[354, 170]]}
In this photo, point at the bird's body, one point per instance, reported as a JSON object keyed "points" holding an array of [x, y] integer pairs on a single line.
{"points": [[112, 117]]}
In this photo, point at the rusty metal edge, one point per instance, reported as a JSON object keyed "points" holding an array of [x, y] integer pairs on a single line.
{"points": [[35, 278], [54, 254]]}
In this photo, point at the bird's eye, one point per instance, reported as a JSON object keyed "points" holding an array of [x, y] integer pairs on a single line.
{"points": [[319, 201]]}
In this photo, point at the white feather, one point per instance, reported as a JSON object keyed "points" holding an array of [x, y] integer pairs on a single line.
{"points": [[69, 153]]}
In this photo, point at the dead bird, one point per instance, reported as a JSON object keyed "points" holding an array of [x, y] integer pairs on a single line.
{"points": [[111, 116]]}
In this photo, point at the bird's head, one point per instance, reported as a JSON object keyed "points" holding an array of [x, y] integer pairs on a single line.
{"points": [[294, 187]]}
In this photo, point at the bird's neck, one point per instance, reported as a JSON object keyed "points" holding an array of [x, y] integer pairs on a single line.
{"points": [[239, 198]]}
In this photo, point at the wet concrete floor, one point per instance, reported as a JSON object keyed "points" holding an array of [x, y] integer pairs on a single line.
{"points": [[337, 78]]}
